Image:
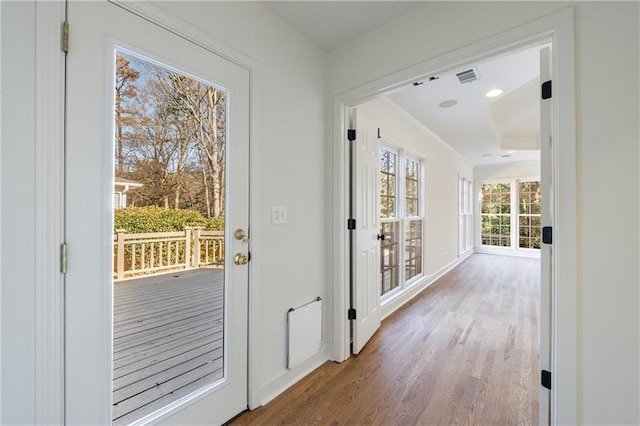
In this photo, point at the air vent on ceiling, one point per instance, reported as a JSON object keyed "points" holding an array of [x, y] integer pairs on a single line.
{"points": [[467, 76]]}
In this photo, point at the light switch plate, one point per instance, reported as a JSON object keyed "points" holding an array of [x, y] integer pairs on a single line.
{"points": [[278, 215]]}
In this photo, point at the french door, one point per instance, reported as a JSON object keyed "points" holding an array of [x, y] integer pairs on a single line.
{"points": [[366, 281], [210, 381]]}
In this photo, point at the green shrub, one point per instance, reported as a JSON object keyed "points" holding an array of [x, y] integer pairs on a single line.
{"points": [[158, 219]]}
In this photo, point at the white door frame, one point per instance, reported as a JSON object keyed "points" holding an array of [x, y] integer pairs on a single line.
{"points": [[49, 195], [558, 29]]}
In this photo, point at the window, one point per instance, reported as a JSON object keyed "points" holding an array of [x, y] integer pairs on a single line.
{"points": [[400, 180], [529, 215], [496, 214], [389, 250], [510, 214], [413, 221]]}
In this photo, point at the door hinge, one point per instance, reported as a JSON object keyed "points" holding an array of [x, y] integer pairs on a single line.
{"points": [[351, 134], [351, 224], [63, 258], [545, 379], [547, 234], [65, 37], [546, 90], [351, 314], [379, 133]]}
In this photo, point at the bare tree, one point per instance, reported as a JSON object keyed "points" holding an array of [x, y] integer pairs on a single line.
{"points": [[125, 90]]}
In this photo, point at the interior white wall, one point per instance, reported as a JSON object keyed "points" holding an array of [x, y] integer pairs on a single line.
{"points": [[442, 168], [516, 169], [607, 166], [607, 156], [18, 211]]}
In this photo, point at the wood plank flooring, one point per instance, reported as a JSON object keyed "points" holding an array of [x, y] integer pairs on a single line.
{"points": [[167, 339], [465, 351]]}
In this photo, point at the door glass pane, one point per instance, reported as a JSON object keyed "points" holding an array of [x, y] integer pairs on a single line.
{"points": [[169, 248]]}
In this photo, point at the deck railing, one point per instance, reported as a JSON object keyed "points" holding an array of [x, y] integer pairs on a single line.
{"points": [[138, 254]]}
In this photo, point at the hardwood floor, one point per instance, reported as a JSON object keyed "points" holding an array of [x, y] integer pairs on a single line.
{"points": [[465, 351]]}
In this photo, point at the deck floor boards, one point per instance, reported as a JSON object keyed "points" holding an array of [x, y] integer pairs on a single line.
{"points": [[168, 341]]}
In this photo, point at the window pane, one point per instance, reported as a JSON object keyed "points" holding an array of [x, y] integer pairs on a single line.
{"points": [[495, 211], [390, 256], [412, 187], [413, 248], [529, 214], [388, 184]]}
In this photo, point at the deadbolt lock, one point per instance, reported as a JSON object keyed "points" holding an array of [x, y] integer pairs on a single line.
{"points": [[240, 259], [239, 234]]}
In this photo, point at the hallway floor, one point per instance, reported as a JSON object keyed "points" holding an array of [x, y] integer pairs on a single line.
{"points": [[464, 351]]}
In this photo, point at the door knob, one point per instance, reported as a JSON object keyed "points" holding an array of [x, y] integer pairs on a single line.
{"points": [[381, 237], [240, 259]]}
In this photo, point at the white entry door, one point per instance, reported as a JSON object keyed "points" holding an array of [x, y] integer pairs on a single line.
{"points": [[366, 279], [209, 383]]}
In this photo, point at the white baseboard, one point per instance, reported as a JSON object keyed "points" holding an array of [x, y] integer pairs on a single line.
{"points": [[290, 377], [506, 251], [391, 305]]}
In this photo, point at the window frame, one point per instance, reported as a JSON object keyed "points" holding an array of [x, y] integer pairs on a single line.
{"points": [[465, 214], [402, 219], [514, 246]]}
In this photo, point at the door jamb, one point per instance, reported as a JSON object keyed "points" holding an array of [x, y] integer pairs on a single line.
{"points": [[559, 29]]}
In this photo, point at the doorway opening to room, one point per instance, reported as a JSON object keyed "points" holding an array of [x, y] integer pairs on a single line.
{"points": [[442, 151]]}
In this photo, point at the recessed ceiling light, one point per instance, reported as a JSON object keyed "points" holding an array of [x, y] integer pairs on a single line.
{"points": [[494, 92], [448, 104]]}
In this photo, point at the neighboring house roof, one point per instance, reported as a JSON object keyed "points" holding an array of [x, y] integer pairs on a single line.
{"points": [[126, 183]]}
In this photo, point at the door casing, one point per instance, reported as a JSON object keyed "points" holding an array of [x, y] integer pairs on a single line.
{"points": [[556, 29]]}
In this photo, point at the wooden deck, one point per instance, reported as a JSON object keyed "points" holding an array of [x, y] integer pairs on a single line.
{"points": [[167, 339]]}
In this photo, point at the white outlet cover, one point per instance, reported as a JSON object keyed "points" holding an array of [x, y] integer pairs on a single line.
{"points": [[278, 215]]}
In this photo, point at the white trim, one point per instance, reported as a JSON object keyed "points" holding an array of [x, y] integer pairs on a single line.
{"points": [[508, 251], [49, 215], [559, 29], [1, 258], [564, 406], [147, 10]]}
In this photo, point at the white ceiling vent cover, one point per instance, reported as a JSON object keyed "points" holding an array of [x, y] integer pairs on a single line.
{"points": [[467, 76]]}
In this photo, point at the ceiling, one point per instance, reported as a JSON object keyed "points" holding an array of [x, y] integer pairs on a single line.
{"points": [[331, 24], [483, 130]]}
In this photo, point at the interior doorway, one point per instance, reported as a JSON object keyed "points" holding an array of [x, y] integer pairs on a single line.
{"points": [[501, 45]]}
